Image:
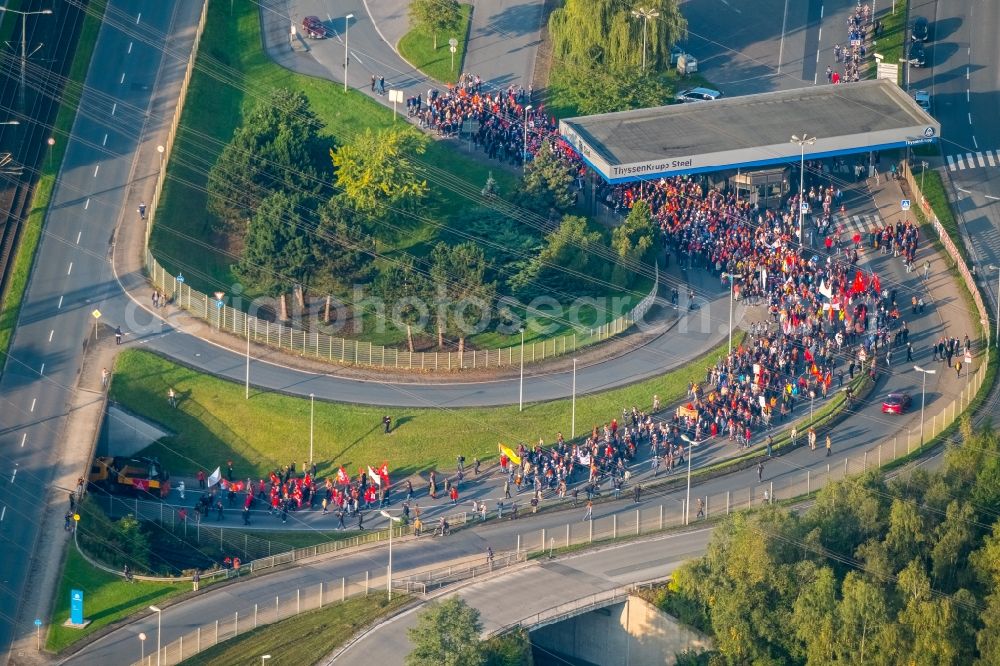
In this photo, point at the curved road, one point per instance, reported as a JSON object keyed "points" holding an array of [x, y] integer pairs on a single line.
{"points": [[102, 177]]}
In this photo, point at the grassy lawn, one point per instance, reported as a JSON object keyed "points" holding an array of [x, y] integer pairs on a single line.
{"points": [[107, 598], [417, 47], [31, 232], [934, 191], [302, 639], [892, 40], [214, 423]]}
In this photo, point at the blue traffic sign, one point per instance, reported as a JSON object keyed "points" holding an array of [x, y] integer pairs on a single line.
{"points": [[180, 278], [905, 204], [76, 607], [219, 304], [38, 622]]}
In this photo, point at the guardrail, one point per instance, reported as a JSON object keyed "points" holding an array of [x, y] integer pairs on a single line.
{"points": [[314, 344]]}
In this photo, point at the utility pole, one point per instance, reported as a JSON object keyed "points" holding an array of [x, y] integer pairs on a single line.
{"points": [[645, 15], [24, 43]]}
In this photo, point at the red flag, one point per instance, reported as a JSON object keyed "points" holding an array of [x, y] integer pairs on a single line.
{"points": [[342, 477], [859, 283], [809, 356], [876, 285]]}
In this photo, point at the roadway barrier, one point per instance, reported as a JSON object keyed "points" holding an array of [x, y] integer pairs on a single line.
{"points": [[317, 345]]}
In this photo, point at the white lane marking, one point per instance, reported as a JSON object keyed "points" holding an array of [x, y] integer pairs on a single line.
{"points": [[105, 141], [781, 44], [60, 303], [963, 190], [70, 269], [970, 160], [989, 158], [14, 475], [979, 158], [130, 47], [96, 169], [33, 401], [821, 32], [24, 438], [78, 234], [138, 16], [114, 107], [990, 196], [123, 78], [51, 333], [3, 514], [967, 95], [817, 55], [42, 370], [970, 117], [86, 204], [966, 73], [357, 58], [821, 9], [951, 163], [961, 162], [815, 78]]}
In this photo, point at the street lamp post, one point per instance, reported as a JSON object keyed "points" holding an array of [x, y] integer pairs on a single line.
{"points": [[520, 390], [246, 322], [347, 27], [264, 658], [388, 582], [160, 150], [687, 501], [312, 418], [997, 339], [732, 297], [923, 397], [24, 42], [645, 15], [51, 143], [524, 155], [802, 143], [159, 617]]}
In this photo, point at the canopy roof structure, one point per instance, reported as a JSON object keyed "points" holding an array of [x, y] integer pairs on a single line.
{"points": [[750, 131]]}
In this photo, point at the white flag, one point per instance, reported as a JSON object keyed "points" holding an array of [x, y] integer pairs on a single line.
{"points": [[214, 477], [585, 459], [376, 479], [825, 290]]}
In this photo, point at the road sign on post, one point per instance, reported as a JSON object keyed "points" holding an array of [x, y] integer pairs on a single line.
{"points": [[76, 607], [396, 97], [905, 204], [453, 47]]}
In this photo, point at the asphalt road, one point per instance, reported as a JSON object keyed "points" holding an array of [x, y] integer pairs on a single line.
{"points": [[72, 277]]}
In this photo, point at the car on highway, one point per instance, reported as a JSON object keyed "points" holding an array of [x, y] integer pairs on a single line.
{"points": [[697, 95], [923, 100], [313, 27], [921, 30], [918, 57], [896, 403]]}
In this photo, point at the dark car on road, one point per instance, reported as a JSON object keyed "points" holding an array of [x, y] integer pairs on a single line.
{"points": [[921, 30], [918, 57], [896, 403], [313, 27]]}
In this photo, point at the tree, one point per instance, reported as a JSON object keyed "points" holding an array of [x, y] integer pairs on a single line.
{"points": [[406, 291], [814, 617], [547, 180], [593, 89], [569, 262], [434, 16], [344, 247], [459, 275], [276, 148], [604, 33], [278, 248], [376, 170], [862, 616], [633, 242], [446, 634]]}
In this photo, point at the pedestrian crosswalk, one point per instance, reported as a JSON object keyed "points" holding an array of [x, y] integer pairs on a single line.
{"points": [[981, 158], [861, 224]]}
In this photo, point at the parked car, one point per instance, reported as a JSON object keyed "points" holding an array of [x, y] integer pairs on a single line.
{"points": [[923, 99], [313, 27], [918, 57], [697, 95], [896, 403], [921, 30]]}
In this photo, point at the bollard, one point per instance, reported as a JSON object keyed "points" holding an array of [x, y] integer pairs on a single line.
{"points": [[298, 601], [706, 507], [236, 624], [846, 460], [181, 649], [637, 522], [543, 538], [749, 497], [321, 594], [343, 589], [828, 474], [614, 527], [808, 483], [865, 467], [771, 501], [255, 616], [591, 527], [517, 552], [567, 535], [277, 609], [661, 516], [216, 632], [199, 640], [880, 456], [727, 502], [366, 583]]}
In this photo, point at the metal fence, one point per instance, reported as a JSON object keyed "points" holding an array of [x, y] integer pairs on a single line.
{"points": [[314, 344]]}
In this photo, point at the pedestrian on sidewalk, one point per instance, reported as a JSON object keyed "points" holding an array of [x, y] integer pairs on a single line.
{"points": [[927, 269], [829, 446], [636, 493], [701, 509], [171, 397], [373, 83], [361, 520], [105, 376], [589, 515], [246, 516], [760, 471], [958, 369], [196, 580], [118, 335]]}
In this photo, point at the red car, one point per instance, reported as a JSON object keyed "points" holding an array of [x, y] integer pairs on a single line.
{"points": [[895, 403], [313, 27]]}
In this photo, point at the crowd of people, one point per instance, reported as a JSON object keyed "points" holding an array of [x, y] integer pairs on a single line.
{"points": [[853, 54]]}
